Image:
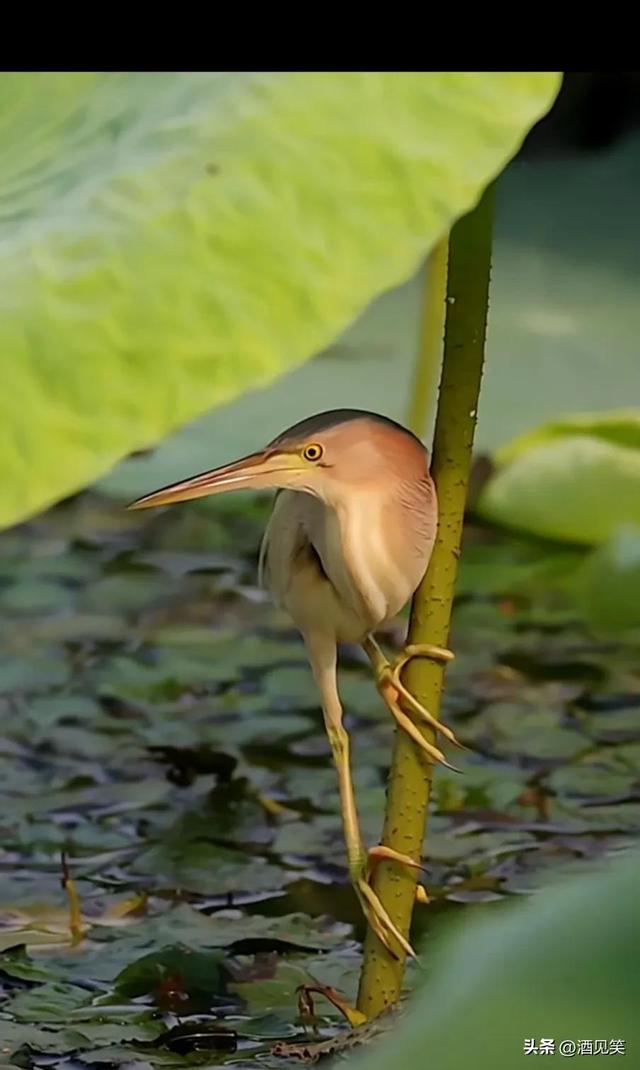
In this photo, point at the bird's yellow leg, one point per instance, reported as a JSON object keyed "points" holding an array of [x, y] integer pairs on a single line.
{"points": [[359, 859], [390, 686], [323, 654]]}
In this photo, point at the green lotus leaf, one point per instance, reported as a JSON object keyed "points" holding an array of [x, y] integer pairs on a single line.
{"points": [[575, 480], [171, 240]]}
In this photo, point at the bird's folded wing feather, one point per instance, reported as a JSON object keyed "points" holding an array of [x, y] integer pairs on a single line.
{"points": [[285, 539], [302, 538]]}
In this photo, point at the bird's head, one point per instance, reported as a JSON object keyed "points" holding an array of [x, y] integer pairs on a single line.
{"points": [[332, 455]]}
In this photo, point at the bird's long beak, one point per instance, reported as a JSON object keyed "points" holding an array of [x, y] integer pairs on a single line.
{"points": [[265, 469]]}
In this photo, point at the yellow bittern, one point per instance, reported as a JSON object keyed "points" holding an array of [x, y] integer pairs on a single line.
{"points": [[348, 541]]}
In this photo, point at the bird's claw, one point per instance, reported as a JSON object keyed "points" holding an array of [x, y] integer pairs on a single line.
{"points": [[392, 688], [379, 921], [376, 915], [382, 853]]}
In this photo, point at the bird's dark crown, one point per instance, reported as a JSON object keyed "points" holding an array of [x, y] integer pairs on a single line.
{"points": [[322, 421]]}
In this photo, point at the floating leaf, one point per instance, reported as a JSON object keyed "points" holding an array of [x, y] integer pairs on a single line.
{"points": [[547, 480], [178, 978], [589, 779], [113, 798], [32, 675], [205, 868], [513, 728], [33, 597], [17, 963]]}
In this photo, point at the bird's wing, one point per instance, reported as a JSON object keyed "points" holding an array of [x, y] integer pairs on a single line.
{"points": [[301, 565], [283, 541]]}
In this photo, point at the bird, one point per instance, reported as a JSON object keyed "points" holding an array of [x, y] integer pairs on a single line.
{"points": [[348, 541]]}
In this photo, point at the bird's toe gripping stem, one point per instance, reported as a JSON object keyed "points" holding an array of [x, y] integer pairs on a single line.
{"points": [[376, 915], [392, 690], [362, 862]]}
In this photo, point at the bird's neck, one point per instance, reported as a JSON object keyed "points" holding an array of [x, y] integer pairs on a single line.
{"points": [[386, 540]]}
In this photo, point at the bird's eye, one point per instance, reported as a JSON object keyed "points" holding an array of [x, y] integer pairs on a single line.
{"points": [[313, 452]]}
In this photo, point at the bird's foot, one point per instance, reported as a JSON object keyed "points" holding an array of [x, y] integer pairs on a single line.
{"points": [[382, 853], [393, 691], [377, 916]]}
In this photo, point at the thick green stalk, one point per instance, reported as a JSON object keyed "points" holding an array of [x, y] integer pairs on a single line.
{"points": [[431, 334], [410, 777]]}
